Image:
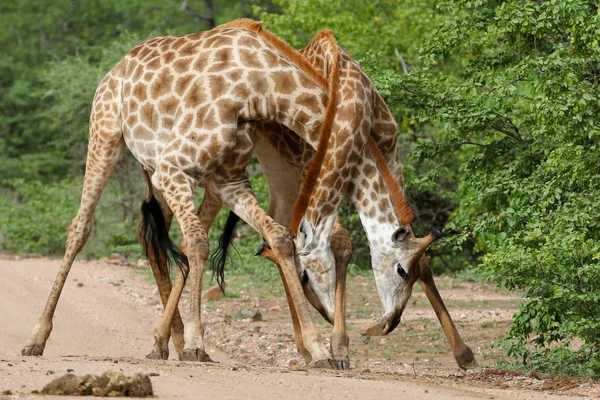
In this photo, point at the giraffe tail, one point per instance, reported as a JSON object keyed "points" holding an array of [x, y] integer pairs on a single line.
{"points": [[219, 256], [155, 240]]}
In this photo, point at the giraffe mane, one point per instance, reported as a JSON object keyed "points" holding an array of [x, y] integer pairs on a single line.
{"points": [[399, 201], [314, 168]]}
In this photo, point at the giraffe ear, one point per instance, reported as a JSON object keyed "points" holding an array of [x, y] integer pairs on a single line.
{"points": [[305, 234], [400, 234]]}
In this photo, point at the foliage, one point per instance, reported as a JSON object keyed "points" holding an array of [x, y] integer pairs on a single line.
{"points": [[37, 217], [515, 85]]}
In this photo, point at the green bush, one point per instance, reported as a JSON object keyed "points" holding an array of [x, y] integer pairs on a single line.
{"points": [[516, 87], [36, 217]]}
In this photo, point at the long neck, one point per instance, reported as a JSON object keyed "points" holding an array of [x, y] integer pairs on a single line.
{"points": [[351, 128], [371, 198]]}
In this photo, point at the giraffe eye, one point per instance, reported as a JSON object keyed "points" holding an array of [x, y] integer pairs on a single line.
{"points": [[304, 278], [401, 271]]}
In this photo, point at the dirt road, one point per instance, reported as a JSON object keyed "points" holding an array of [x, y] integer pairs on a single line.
{"points": [[105, 321]]}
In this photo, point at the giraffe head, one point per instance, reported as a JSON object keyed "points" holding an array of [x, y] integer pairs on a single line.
{"points": [[395, 251], [315, 264], [396, 267]]}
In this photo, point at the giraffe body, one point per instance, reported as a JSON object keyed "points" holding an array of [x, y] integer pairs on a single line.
{"points": [[179, 104]]}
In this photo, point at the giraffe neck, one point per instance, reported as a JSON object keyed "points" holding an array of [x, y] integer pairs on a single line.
{"points": [[371, 198], [352, 125]]}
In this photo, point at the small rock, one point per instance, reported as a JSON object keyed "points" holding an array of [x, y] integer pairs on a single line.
{"points": [[256, 316], [275, 308], [7, 393], [49, 372], [237, 315], [70, 370], [214, 293], [141, 263], [292, 361], [366, 339], [116, 258], [382, 341], [80, 284], [534, 375], [109, 384]]}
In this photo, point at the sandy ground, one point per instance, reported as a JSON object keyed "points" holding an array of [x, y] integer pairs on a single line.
{"points": [[107, 314]]}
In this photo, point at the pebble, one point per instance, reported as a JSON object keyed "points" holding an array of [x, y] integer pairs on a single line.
{"points": [[213, 293], [142, 262], [275, 308], [256, 316]]}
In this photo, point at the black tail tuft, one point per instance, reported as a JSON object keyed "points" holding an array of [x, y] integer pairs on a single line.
{"points": [[219, 256], [154, 236]]}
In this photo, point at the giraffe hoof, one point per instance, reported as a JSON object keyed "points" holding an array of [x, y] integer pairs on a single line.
{"points": [[466, 359], [342, 364], [322, 364], [158, 355], [32, 350], [194, 355]]}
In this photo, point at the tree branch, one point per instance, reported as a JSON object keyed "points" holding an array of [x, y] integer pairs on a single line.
{"points": [[491, 146]]}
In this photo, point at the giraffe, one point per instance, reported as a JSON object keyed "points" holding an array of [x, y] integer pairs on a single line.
{"points": [[283, 155], [179, 104], [339, 338]]}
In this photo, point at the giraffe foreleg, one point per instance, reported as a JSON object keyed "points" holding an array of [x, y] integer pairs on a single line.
{"points": [[179, 197], [462, 353], [341, 246], [266, 252], [240, 199]]}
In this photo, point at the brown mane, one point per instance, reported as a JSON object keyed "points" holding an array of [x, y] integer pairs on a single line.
{"points": [[312, 174], [401, 206]]}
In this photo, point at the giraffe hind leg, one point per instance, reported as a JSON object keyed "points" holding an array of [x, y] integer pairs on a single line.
{"points": [[104, 149], [157, 256]]}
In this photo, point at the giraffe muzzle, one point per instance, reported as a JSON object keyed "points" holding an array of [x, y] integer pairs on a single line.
{"points": [[390, 321]]}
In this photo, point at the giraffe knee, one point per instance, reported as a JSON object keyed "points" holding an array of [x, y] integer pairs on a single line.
{"points": [[198, 245], [283, 246], [78, 232]]}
